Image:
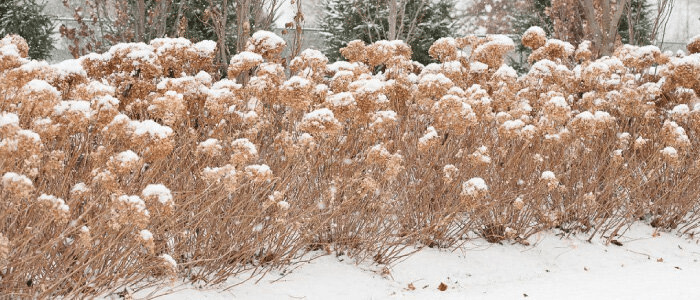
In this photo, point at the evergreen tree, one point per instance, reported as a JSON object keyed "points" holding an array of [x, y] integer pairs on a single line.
{"points": [[641, 13], [347, 20], [641, 21], [25, 18], [525, 19]]}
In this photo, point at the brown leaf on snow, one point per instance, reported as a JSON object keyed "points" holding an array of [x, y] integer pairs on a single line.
{"points": [[411, 287], [442, 286], [660, 259]]}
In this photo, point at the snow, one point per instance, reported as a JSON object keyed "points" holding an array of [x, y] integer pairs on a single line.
{"points": [[247, 57], [134, 201], [368, 86], [211, 142], [536, 30], [11, 177], [246, 144], [321, 115], [205, 48], [69, 67], [548, 175], [75, 106], [33, 135], [38, 85], [341, 99], [54, 201], [473, 186], [478, 67], [269, 40], [127, 156], [430, 134], [680, 109], [513, 124], [8, 118], [151, 128], [648, 265], [79, 187], [558, 101], [670, 151], [146, 235], [506, 71], [294, 82], [169, 260]]}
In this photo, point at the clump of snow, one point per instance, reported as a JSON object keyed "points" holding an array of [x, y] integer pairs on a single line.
{"points": [[478, 67], [321, 115], [513, 124], [79, 187], [9, 119], [535, 30], [30, 135], [341, 99], [38, 85], [69, 67], [681, 109], [150, 127], [474, 187], [146, 235], [669, 151], [205, 48], [548, 175], [54, 202], [267, 40], [134, 201], [12, 177], [169, 260], [558, 101], [247, 57], [127, 157], [74, 106], [430, 134], [245, 144]]}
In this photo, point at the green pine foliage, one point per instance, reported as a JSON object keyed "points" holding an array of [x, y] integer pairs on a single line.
{"points": [[347, 20], [525, 19], [642, 22], [25, 18]]}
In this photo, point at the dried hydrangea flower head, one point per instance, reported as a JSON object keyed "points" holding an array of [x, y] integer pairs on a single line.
{"points": [[312, 60], [18, 186], [266, 43], [56, 207], [583, 52], [534, 37], [492, 53], [320, 121], [639, 58], [693, 45], [243, 62], [355, 51], [554, 50], [444, 49]]}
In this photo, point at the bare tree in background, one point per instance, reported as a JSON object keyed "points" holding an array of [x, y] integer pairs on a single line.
{"points": [[602, 18], [663, 15], [397, 17]]}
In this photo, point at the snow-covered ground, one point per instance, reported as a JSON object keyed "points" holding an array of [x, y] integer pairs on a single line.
{"points": [[648, 265]]}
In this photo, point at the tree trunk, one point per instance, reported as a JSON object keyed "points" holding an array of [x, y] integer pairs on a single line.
{"points": [[393, 15], [604, 31]]}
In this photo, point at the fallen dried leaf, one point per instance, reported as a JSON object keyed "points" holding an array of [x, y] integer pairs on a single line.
{"points": [[660, 260], [442, 286], [616, 242], [411, 287]]}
